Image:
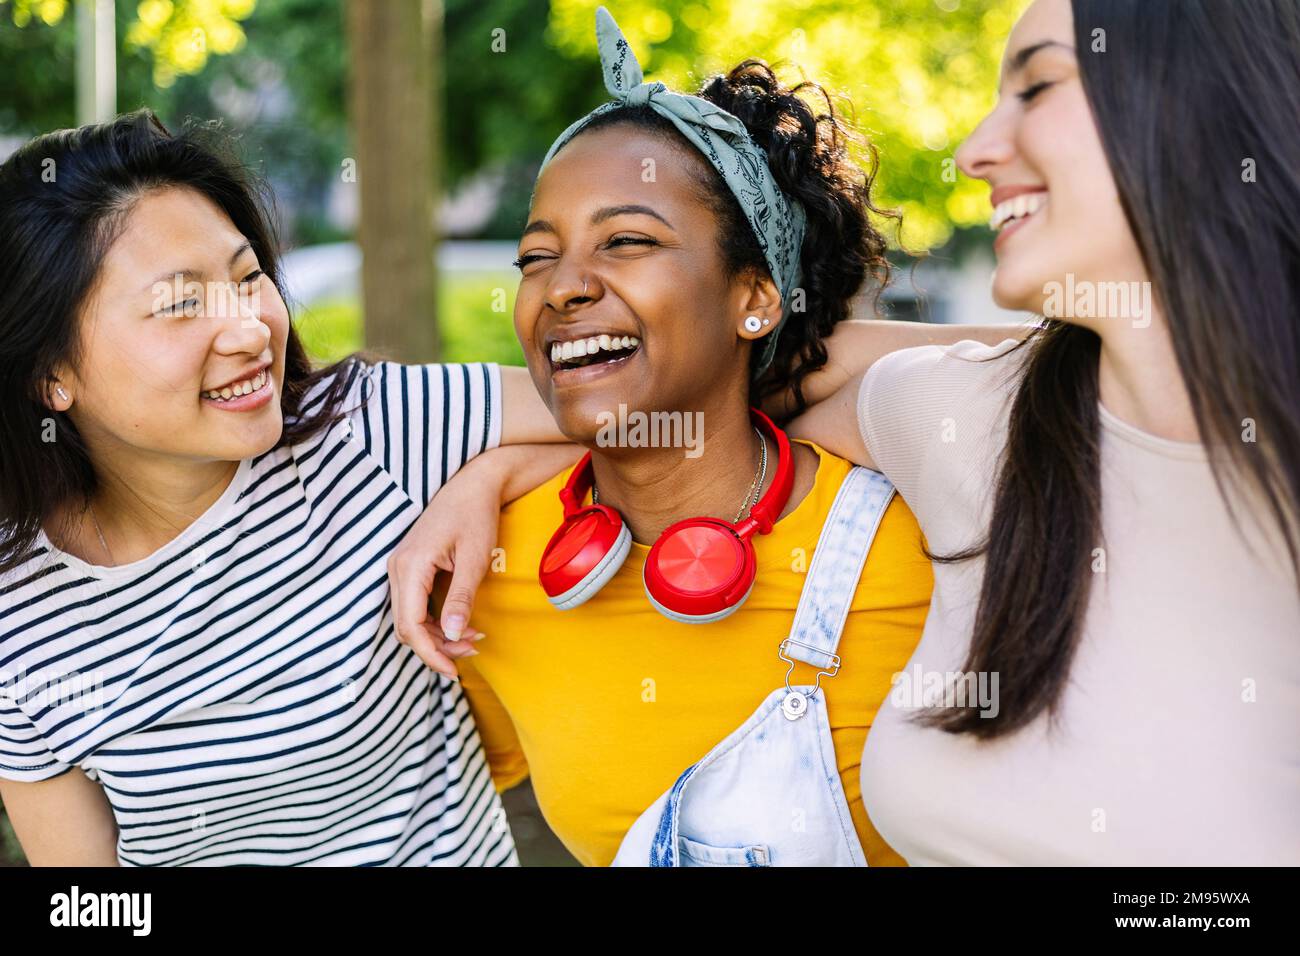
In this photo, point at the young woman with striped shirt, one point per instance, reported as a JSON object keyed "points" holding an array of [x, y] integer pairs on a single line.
{"points": [[197, 663]]}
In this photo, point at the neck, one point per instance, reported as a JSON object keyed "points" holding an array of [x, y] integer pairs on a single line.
{"points": [[653, 488], [142, 505], [1140, 381]]}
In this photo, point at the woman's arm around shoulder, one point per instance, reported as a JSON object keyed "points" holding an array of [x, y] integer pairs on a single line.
{"points": [[884, 405], [857, 344], [525, 419], [833, 424], [455, 536]]}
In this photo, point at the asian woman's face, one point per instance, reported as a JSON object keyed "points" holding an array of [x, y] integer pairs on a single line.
{"points": [[182, 339], [1056, 206], [618, 213]]}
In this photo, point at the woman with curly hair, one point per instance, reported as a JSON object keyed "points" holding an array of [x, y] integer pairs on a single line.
{"points": [[686, 257]]}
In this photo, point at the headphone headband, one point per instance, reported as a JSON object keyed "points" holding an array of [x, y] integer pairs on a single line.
{"points": [[575, 489], [764, 514]]}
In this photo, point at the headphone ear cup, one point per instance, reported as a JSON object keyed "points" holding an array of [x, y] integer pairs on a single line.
{"points": [[683, 618], [699, 571], [586, 551]]}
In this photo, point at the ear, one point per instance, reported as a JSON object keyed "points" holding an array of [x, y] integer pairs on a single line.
{"points": [[58, 397], [758, 299]]}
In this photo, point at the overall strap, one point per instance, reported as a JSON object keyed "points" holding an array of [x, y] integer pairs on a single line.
{"points": [[836, 567]]}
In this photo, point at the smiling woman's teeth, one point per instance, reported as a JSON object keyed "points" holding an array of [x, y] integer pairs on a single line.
{"points": [[1021, 207], [567, 351], [247, 386]]}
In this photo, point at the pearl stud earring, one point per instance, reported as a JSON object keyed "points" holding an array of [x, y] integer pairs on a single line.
{"points": [[753, 323]]}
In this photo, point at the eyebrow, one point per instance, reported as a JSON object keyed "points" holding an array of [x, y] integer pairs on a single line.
{"points": [[1018, 62], [190, 273], [599, 216]]}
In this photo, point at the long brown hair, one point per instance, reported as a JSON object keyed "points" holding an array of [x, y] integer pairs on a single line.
{"points": [[1188, 98]]}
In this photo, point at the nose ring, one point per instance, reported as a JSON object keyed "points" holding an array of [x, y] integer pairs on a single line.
{"points": [[584, 288]]}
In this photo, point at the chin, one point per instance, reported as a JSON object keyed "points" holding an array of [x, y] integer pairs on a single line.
{"points": [[256, 440], [579, 419], [1016, 291], [581, 412]]}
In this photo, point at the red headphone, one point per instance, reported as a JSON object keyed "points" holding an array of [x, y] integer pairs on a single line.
{"points": [[700, 569]]}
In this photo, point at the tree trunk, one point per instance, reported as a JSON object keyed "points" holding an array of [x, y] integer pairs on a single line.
{"points": [[394, 101]]}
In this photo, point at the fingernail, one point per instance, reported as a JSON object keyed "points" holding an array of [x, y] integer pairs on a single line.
{"points": [[453, 626], [471, 652], [478, 637]]}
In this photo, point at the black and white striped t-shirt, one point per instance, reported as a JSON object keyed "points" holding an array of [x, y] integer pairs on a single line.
{"points": [[240, 694]]}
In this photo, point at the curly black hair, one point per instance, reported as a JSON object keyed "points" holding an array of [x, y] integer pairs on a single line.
{"points": [[809, 155]]}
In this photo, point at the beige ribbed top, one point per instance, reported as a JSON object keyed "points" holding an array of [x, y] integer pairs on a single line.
{"points": [[1179, 740]]}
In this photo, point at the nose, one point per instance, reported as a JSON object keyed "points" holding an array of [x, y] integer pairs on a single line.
{"points": [[572, 287], [989, 146], [238, 317]]}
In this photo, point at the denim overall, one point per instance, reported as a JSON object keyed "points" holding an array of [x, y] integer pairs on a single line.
{"points": [[770, 793]]}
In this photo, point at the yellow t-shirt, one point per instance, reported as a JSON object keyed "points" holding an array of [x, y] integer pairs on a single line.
{"points": [[608, 703]]}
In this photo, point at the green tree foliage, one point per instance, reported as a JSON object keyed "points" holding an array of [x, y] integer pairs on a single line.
{"points": [[180, 35], [919, 73], [38, 47]]}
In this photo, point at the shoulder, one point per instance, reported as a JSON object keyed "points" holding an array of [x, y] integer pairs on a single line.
{"points": [[929, 372], [906, 393], [439, 397], [930, 414], [344, 385], [831, 469], [363, 383], [30, 599], [897, 572], [897, 551]]}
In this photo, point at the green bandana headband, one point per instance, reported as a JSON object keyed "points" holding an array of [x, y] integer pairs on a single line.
{"points": [[778, 221]]}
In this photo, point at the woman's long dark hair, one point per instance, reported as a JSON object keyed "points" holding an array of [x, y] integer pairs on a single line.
{"points": [[809, 154], [1198, 107], [64, 197]]}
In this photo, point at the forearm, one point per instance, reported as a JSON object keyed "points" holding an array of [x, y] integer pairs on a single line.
{"points": [[457, 533], [535, 464], [856, 344], [525, 417], [515, 470]]}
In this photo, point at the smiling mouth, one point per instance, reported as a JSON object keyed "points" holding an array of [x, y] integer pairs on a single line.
{"points": [[238, 389], [594, 350], [1014, 210]]}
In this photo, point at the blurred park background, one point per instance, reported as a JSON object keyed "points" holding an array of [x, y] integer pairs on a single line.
{"points": [[401, 139]]}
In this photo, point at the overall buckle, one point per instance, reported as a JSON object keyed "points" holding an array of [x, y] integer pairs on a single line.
{"points": [[795, 704]]}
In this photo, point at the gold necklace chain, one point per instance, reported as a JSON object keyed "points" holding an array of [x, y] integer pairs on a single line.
{"points": [[100, 531], [755, 486]]}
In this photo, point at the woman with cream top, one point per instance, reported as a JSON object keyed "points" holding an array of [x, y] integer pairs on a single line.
{"points": [[1112, 504]]}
